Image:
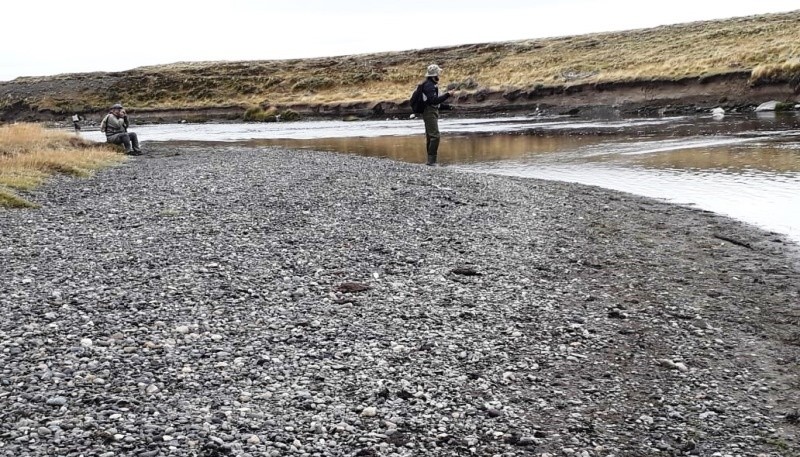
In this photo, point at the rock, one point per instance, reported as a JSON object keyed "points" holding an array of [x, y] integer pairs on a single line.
{"points": [[718, 112], [57, 401], [492, 412], [465, 271], [86, 342], [617, 314], [369, 411], [352, 287], [767, 106], [182, 329], [527, 441]]}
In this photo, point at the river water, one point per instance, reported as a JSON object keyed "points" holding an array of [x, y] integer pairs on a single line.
{"points": [[743, 166]]}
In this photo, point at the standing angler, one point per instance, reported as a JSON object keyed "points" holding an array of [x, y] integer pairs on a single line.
{"points": [[433, 101], [115, 126]]}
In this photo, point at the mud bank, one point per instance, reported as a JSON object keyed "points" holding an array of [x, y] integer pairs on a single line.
{"points": [[254, 301], [732, 91]]}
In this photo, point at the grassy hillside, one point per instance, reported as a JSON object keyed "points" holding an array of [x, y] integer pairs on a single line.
{"points": [[769, 45]]}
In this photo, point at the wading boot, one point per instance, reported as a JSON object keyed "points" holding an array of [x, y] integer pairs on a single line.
{"points": [[433, 149]]}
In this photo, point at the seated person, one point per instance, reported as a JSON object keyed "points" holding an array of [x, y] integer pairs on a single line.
{"points": [[115, 126]]}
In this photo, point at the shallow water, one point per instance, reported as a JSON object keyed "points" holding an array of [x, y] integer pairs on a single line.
{"points": [[747, 167]]}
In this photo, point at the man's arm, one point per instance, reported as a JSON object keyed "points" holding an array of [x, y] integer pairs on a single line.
{"points": [[104, 124], [430, 95]]}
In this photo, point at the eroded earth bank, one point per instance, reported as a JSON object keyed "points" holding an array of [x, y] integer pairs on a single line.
{"points": [[209, 300]]}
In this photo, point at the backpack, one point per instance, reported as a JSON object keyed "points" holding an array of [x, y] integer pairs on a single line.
{"points": [[417, 103]]}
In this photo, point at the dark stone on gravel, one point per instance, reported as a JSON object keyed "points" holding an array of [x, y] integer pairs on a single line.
{"points": [[466, 271], [352, 287]]}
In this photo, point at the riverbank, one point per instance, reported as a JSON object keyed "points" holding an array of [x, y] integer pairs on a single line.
{"points": [[732, 91], [215, 299]]}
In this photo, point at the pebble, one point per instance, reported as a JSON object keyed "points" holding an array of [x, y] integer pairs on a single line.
{"points": [[57, 401]]}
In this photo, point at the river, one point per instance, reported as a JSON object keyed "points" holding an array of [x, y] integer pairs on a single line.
{"points": [[743, 166]]}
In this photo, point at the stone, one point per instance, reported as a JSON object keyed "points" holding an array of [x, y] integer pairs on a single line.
{"points": [[56, 401], [767, 106]]}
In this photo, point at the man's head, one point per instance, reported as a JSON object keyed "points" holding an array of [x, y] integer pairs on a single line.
{"points": [[433, 72], [116, 108]]}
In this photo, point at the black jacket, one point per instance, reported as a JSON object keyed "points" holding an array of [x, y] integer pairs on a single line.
{"points": [[430, 93]]}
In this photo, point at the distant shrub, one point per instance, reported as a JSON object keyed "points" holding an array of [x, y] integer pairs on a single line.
{"points": [[776, 73], [364, 77], [313, 83], [290, 115], [467, 84], [258, 114], [272, 81]]}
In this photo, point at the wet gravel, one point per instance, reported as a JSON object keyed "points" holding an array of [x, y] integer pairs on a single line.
{"points": [[224, 300]]}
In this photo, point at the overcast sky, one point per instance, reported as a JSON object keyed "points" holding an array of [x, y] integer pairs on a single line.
{"points": [[45, 37]]}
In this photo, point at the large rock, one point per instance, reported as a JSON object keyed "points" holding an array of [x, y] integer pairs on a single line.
{"points": [[767, 106]]}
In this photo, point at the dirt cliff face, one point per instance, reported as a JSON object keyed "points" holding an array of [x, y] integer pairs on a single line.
{"points": [[731, 63]]}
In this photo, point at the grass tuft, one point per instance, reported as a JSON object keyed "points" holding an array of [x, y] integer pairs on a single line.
{"points": [[788, 71], [9, 199], [29, 154], [258, 114]]}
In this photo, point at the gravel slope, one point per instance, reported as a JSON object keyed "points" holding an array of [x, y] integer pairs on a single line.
{"points": [[222, 300]]}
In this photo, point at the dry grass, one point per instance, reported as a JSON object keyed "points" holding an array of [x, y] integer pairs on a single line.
{"points": [[29, 154], [786, 71], [669, 52], [664, 53]]}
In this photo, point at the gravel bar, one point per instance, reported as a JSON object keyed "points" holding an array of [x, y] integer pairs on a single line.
{"points": [[212, 300]]}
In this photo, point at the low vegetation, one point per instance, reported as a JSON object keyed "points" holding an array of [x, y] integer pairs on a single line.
{"points": [[29, 154], [788, 71], [767, 45], [260, 114]]}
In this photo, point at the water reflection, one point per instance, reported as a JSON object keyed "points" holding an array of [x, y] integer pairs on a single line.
{"points": [[765, 158], [454, 149]]}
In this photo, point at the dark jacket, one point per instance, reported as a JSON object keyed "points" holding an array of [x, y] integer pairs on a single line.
{"points": [[430, 93]]}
